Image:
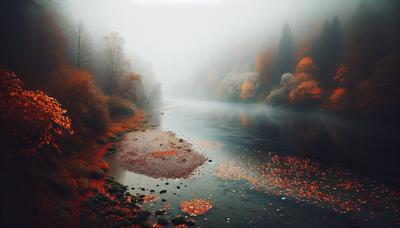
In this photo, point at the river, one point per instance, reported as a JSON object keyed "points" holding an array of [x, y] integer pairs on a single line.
{"points": [[275, 157]]}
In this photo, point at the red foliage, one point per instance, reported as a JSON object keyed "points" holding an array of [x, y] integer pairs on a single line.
{"points": [[305, 70], [247, 90], [306, 65], [86, 104], [30, 117], [337, 99], [305, 92], [196, 206]]}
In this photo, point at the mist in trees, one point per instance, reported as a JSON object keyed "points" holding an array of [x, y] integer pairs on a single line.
{"points": [[60, 92], [81, 49], [69, 70], [285, 59], [332, 67]]}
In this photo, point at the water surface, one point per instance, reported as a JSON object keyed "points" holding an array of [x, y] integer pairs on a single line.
{"points": [[249, 134]]}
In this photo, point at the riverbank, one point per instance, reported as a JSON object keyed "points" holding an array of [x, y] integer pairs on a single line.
{"points": [[258, 175], [142, 150]]}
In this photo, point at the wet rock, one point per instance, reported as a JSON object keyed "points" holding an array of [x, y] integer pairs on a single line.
{"points": [[160, 212], [178, 221], [122, 223], [145, 225], [134, 206], [190, 223], [143, 215], [162, 221]]}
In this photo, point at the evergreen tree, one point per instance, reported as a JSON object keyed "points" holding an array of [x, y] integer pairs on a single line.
{"points": [[285, 61], [327, 49]]}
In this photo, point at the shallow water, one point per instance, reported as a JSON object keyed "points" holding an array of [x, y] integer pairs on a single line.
{"points": [[250, 135]]}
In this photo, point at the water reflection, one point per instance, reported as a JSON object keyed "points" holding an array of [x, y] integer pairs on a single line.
{"points": [[245, 134], [364, 147]]}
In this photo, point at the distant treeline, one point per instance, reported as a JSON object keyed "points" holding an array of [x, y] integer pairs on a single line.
{"points": [[349, 67]]}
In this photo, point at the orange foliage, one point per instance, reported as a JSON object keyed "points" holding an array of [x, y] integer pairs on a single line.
{"points": [[129, 87], [264, 60], [30, 117], [132, 77], [306, 91], [305, 70], [337, 98], [302, 77], [306, 65], [261, 60], [150, 198], [77, 91], [247, 90], [196, 206]]}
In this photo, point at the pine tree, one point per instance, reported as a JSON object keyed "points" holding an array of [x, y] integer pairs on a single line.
{"points": [[327, 49], [285, 61]]}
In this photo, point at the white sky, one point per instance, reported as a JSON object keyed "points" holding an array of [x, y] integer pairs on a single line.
{"points": [[177, 36]]}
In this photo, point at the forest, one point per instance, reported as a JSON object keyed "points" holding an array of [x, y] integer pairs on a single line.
{"points": [[340, 66], [297, 129]]}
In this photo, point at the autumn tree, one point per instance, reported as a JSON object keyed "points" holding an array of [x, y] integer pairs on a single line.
{"points": [[30, 120], [366, 42], [307, 91], [285, 60], [327, 49], [380, 91], [264, 65], [81, 46], [115, 60]]}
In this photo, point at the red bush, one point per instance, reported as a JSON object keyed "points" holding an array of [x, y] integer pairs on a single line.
{"points": [[306, 92], [86, 104], [338, 98], [30, 119]]}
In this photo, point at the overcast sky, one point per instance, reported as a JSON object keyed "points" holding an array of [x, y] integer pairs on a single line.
{"points": [[177, 36]]}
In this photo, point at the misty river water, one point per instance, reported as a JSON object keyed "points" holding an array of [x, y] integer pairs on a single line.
{"points": [[250, 135]]}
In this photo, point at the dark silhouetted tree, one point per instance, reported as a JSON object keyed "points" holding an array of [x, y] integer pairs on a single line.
{"points": [[81, 46], [285, 60], [115, 60], [326, 51]]}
